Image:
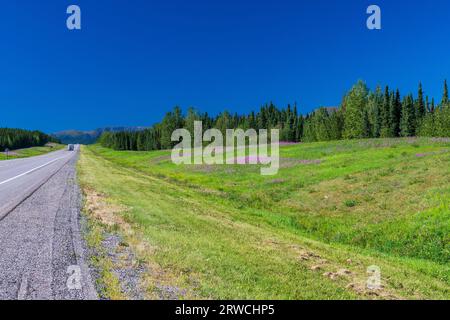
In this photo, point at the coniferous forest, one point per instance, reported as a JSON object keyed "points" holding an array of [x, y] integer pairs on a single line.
{"points": [[382, 113], [18, 138]]}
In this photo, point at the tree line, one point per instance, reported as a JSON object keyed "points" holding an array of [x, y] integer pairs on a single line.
{"points": [[382, 113], [18, 138], [159, 135]]}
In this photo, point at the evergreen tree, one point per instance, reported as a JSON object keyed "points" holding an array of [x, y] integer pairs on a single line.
{"points": [[420, 107], [395, 113], [224, 122], [420, 104], [427, 127], [323, 125], [445, 94], [442, 121], [171, 122], [374, 106], [408, 120], [355, 103], [385, 115], [300, 128], [366, 125]]}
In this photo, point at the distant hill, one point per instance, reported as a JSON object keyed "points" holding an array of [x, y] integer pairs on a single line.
{"points": [[330, 110], [88, 137]]}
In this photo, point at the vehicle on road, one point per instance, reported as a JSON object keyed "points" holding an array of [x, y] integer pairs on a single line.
{"points": [[70, 147]]}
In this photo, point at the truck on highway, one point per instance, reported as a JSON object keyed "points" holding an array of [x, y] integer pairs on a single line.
{"points": [[70, 147]]}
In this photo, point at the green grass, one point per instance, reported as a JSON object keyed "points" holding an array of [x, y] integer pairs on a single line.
{"points": [[228, 232], [31, 152]]}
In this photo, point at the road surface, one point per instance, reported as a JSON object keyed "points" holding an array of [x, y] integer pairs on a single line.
{"points": [[41, 250]]}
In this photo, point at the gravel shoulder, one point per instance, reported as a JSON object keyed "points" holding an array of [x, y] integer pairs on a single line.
{"points": [[42, 254]]}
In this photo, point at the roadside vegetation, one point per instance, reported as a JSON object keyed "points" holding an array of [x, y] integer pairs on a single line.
{"points": [[31, 152], [13, 139], [310, 232]]}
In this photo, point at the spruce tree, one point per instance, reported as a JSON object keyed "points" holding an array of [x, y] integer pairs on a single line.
{"points": [[420, 104], [375, 106], [385, 114], [419, 107], [300, 128], [392, 117], [189, 120], [295, 126], [408, 120], [396, 113], [445, 95], [366, 125]]}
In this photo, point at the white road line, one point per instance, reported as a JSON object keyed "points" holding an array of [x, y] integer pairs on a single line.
{"points": [[30, 171], [21, 294]]}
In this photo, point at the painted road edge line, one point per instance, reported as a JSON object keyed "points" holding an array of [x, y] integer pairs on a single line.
{"points": [[30, 171]]}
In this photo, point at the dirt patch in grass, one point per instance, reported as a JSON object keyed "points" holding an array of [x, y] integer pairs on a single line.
{"points": [[98, 208], [118, 271], [121, 258], [351, 273]]}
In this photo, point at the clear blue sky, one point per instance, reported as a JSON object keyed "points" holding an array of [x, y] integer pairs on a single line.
{"points": [[134, 60]]}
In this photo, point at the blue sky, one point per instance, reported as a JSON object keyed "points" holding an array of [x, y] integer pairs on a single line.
{"points": [[134, 60]]}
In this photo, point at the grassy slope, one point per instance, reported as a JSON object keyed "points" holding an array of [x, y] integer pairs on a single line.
{"points": [[228, 232], [31, 152]]}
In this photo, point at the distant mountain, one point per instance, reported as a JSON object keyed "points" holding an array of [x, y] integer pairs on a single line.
{"points": [[329, 110], [88, 137]]}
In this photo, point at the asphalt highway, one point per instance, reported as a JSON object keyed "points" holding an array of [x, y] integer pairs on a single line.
{"points": [[42, 254]]}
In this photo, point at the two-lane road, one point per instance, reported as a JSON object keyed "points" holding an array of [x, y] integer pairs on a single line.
{"points": [[42, 255], [20, 177]]}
